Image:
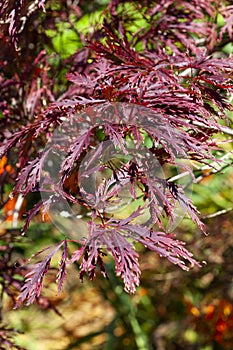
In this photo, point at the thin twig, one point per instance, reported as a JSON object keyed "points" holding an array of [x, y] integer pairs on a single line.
{"points": [[212, 167], [217, 213], [223, 129]]}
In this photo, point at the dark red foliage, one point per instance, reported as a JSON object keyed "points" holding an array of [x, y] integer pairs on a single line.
{"points": [[34, 279], [159, 82]]}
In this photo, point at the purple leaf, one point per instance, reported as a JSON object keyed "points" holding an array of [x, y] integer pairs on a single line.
{"points": [[34, 279], [62, 268], [30, 175], [31, 213], [78, 146]]}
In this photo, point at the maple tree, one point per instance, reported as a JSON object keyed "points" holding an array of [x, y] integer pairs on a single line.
{"points": [[145, 91]]}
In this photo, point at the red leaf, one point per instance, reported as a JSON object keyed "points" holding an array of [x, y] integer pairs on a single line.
{"points": [[34, 279]]}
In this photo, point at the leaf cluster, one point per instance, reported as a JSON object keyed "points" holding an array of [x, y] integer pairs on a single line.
{"points": [[159, 91]]}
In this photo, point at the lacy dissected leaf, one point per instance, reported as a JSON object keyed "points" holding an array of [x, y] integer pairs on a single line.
{"points": [[164, 244], [79, 146], [227, 13], [181, 89], [187, 206], [116, 136], [146, 93], [114, 236], [34, 279], [10, 143], [31, 213], [62, 267], [126, 259], [30, 176], [168, 23], [123, 252], [75, 102], [158, 200]]}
